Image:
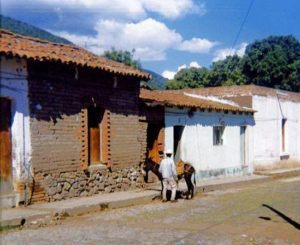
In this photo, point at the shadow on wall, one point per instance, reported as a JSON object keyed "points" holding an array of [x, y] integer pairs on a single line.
{"points": [[212, 119], [57, 90]]}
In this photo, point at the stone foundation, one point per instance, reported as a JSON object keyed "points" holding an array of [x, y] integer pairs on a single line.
{"points": [[95, 180]]}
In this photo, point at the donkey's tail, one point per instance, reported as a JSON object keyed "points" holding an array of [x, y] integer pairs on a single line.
{"points": [[194, 177]]}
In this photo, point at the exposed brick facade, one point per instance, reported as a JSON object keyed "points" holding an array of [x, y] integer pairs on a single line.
{"points": [[58, 95], [151, 128]]}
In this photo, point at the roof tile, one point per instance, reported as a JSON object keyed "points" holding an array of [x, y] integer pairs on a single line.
{"points": [[180, 99], [33, 48]]}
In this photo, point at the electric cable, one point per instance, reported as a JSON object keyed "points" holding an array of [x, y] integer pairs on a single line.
{"points": [[241, 26]]}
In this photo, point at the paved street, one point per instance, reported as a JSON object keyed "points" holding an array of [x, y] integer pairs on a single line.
{"points": [[266, 213]]}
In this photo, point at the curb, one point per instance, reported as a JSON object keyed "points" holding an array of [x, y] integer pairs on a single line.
{"points": [[277, 174], [25, 219], [223, 186], [101, 206]]}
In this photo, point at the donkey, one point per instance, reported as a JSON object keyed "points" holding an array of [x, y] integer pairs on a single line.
{"points": [[184, 170]]}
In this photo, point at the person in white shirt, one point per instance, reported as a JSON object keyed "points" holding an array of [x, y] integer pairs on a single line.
{"points": [[169, 176]]}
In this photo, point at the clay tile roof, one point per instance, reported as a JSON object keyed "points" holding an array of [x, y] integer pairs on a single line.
{"points": [[181, 98], [245, 90], [12, 44]]}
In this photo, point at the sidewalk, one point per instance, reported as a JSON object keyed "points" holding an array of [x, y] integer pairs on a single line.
{"points": [[45, 212]]}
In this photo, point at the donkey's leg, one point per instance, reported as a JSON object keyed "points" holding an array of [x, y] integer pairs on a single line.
{"points": [[189, 184]]}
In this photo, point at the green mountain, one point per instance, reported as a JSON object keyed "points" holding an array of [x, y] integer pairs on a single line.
{"points": [[157, 82], [28, 30]]}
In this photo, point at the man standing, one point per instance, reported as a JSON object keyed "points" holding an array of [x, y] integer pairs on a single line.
{"points": [[169, 176]]}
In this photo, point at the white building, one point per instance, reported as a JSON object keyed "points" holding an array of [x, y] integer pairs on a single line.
{"points": [[215, 136], [276, 134]]}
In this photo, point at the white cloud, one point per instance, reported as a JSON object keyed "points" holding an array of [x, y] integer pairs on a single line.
{"points": [[181, 67], [195, 64], [170, 74], [174, 8], [141, 36], [130, 9], [120, 24], [149, 38], [197, 45], [221, 54]]}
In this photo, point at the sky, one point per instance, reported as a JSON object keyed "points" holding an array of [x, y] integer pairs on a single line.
{"points": [[165, 35]]}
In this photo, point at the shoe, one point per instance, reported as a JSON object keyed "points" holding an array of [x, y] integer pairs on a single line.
{"points": [[174, 201]]}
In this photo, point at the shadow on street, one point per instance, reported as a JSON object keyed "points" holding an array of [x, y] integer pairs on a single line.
{"points": [[286, 218]]}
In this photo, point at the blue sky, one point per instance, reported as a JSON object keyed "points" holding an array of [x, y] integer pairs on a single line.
{"points": [[167, 35]]}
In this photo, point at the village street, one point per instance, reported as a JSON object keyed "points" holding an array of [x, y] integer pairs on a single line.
{"points": [[265, 213]]}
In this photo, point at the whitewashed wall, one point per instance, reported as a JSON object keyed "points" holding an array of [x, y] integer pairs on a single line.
{"points": [[14, 86], [197, 141], [267, 132]]}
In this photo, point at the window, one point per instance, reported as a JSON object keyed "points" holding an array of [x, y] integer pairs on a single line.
{"points": [[218, 132]]}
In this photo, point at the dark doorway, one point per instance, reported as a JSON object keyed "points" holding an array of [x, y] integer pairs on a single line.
{"points": [[5, 146], [178, 130], [283, 125]]}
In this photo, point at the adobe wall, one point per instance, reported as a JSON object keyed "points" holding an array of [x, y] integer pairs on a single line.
{"points": [[57, 95], [149, 115]]}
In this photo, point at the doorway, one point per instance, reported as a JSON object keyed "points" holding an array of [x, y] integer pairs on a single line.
{"points": [[243, 145], [178, 130], [95, 134], [5, 146], [155, 142]]}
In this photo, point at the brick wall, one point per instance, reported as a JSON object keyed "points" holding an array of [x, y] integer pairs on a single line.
{"points": [[57, 98]]}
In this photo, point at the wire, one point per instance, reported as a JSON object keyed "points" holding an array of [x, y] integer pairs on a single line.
{"points": [[242, 25]]}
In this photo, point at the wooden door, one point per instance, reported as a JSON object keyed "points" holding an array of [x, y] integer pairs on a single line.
{"points": [[96, 134], [95, 145], [5, 144]]}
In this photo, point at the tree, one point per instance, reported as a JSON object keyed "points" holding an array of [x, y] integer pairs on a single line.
{"points": [[125, 57], [189, 78], [273, 62], [227, 72]]}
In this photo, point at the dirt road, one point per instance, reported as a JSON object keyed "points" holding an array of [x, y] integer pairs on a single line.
{"points": [[267, 213]]}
